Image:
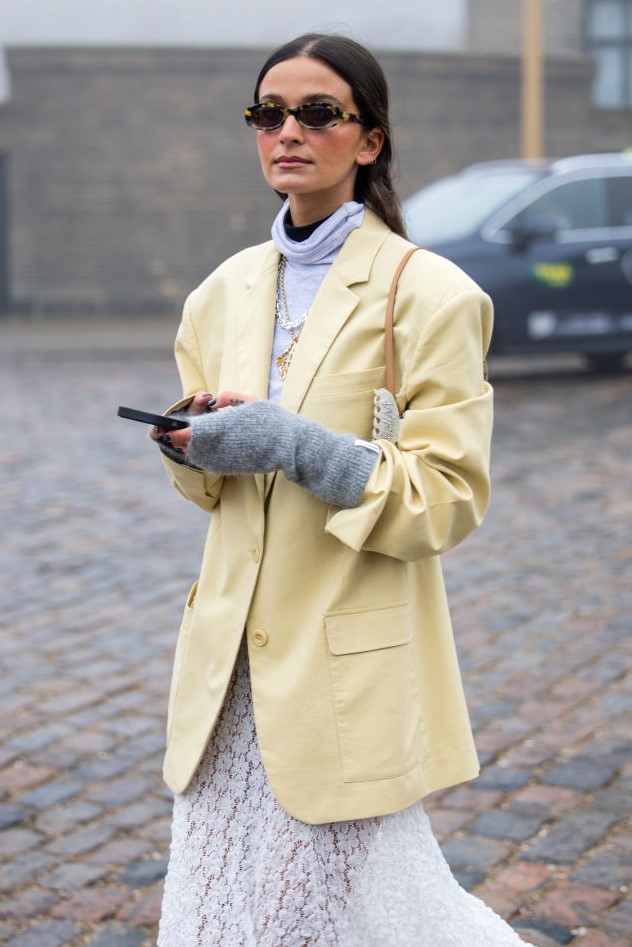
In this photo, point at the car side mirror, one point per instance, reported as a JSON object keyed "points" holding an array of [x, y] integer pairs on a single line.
{"points": [[538, 228]]}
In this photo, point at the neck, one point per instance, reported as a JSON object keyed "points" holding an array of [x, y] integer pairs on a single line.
{"points": [[307, 209]]}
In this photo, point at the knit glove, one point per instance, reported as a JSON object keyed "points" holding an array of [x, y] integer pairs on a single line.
{"points": [[260, 436]]}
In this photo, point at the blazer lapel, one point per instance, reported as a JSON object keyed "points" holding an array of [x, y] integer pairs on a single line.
{"points": [[333, 305], [255, 325], [254, 332]]}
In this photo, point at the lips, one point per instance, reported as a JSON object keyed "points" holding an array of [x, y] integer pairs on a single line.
{"points": [[290, 161]]}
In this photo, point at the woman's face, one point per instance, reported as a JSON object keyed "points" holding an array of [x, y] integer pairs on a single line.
{"points": [[315, 168]]}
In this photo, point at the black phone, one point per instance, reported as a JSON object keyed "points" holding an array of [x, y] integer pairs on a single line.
{"points": [[145, 417]]}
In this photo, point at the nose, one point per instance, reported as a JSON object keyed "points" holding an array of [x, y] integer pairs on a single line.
{"points": [[291, 129]]}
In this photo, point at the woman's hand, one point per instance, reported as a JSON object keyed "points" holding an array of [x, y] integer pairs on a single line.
{"points": [[262, 437], [201, 403]]}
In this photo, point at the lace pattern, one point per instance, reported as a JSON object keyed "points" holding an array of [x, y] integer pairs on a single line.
{"points": [[244, 873]]}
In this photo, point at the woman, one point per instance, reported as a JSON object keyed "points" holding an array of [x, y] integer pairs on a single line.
{"points": [[316, 696]]}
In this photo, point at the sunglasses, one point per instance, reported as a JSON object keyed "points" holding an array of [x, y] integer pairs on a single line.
{"points": [[268, 116]]}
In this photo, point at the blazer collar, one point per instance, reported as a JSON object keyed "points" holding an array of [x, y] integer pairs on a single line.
{"points": [[333, 305]]}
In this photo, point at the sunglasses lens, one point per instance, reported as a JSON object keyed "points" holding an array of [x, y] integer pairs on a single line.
{"points": [[265, 116], [316, 116]]}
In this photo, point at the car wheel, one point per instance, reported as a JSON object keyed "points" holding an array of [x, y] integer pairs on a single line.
{"points": [[607, 361]]}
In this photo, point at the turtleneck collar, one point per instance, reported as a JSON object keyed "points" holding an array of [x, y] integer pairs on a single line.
{"points": [[299, 234], [326, 239]]}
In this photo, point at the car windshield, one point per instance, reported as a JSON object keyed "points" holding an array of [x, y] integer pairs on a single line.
{"points": [[454, 207]]}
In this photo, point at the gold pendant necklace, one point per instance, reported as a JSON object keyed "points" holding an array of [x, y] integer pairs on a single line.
{"points": [[284, 360], [282, 315]]}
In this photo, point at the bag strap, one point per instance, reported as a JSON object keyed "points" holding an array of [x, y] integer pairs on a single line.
{"points": [[389, 340]]}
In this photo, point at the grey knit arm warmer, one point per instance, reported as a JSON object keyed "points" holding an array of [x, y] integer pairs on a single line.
{"points": [[261, 436]]}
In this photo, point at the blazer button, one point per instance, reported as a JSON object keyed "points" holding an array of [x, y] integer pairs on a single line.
{"points": [[255, 554], [260, 638]]}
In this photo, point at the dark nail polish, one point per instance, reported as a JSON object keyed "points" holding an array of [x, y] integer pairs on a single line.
{"points": [[166, 439]]}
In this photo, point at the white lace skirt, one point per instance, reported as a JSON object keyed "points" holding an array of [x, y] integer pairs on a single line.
{"points": [[243, 873]]}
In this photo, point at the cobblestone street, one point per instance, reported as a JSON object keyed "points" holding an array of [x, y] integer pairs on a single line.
{"points": [[99, 552]]}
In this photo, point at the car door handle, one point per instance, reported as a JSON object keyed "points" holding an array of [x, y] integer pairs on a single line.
{"points": [[602, 255]]}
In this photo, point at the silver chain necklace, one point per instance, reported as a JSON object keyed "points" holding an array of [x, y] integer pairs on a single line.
{"points": [[282, 316]]}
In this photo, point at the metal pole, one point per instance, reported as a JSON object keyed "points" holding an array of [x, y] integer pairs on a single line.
{"points": [[532, 84]]}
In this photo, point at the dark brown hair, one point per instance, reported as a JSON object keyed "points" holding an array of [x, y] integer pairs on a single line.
{"points": [[361, 70]]}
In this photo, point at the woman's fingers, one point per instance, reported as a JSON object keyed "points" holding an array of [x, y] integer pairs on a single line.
{"points": [[179, 439], [204, 401], [231, 399], [200, 403]]}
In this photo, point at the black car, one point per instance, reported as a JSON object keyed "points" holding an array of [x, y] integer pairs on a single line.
{"points": [[551, 242]]}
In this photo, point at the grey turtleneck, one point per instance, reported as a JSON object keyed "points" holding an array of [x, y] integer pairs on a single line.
{"points": [[308, 262]]}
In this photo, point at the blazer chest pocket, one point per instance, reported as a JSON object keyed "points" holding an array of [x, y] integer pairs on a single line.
{"points": [[344, 401], [374, 691]]}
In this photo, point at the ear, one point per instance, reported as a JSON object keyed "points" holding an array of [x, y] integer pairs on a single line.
{"points": [[371, 147]]}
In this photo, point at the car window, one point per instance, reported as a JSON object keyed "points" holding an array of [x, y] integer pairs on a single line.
{"points": [[575, 205], [620, 193], [454, 207]]}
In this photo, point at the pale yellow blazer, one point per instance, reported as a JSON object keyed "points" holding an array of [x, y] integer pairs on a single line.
{"points": [[357, 694]]}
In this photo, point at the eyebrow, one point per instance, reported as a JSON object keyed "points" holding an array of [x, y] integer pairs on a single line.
{"points": [[315, 97]]}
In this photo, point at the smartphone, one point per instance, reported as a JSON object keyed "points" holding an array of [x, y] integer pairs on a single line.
{"points": [[159, 420]]}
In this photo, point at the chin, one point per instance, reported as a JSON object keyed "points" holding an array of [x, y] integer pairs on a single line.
{"points": [[289, 181]]}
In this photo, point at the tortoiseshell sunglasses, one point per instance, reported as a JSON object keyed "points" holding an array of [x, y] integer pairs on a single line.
{"points": [[268, 116]]}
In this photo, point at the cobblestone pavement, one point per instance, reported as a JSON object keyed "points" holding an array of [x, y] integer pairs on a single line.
{"points": [[98, 553]]}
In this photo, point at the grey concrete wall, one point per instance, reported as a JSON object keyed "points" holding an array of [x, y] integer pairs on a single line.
{"points": [[131, 173], [496, 27]]}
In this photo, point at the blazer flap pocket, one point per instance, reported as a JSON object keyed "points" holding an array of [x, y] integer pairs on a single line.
{"points": [[346, 383], [368, 629]]}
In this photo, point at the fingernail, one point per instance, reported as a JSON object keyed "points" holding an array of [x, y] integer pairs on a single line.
{"points": [[210, 404], [166, 439]]}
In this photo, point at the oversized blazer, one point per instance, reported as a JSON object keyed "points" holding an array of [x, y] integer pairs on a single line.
{"points": [[357, 694]]}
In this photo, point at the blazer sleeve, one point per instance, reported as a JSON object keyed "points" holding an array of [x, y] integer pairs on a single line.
{"points": [[426, 493], [199, 486]]}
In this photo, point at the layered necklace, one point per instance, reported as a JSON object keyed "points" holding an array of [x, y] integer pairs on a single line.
{"points": [[282, 315]]}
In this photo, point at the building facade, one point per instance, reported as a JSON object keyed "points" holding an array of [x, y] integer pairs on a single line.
{"points": [[127, 172]]}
